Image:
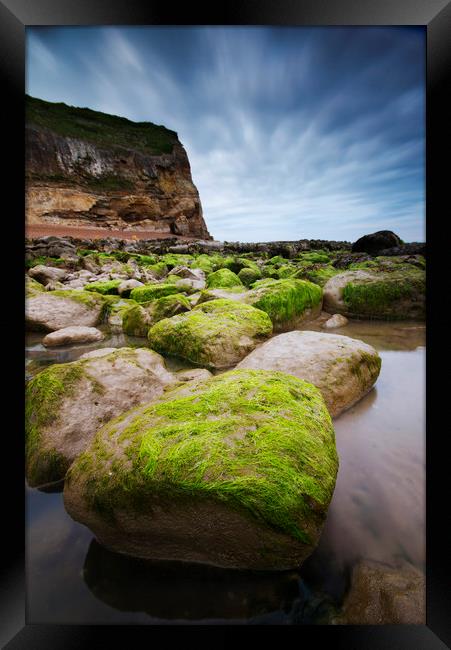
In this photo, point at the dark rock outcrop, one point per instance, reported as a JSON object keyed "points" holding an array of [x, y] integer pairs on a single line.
{"points": [[376, 242], [85, 167]]}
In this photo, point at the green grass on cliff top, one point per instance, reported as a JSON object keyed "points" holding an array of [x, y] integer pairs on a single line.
{"points": [[99, 128]]}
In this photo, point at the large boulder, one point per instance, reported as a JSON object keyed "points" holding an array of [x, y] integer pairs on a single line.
{"points": [[72, 335], [343, 369], [237, 472], [397, 294], [287, 302], [50, 311], [216, 334], [67, 403], [384, 595], [376, 242]]}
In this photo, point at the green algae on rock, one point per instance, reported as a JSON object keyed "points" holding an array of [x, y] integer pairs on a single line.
{"points": [[223, 278], [215, 334], [53, 310], [342, 368], [237, 471], [288, 302], [109, 287], [395, 295], [153, 291], [67, 403], [137, 320], [32, 287], [249, 275]]}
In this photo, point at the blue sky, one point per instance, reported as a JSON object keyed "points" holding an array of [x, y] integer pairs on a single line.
{"points": [[291, 133]]}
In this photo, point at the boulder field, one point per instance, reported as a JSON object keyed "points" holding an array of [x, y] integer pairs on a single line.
{"points": [[237, 469]]}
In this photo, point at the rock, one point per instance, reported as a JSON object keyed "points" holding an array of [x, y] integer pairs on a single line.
{"points": [[337, 320], [46, 274], [137, 320], [110, 287], [72, 335], [344, 260], [117, 311], [32, 287], [190, 286], [414, 248], [185, 272], [223, 278], [130, 175], [66, 404], [239, 474], [382, 595], [152, 292], [395, 294], [216, 334], [102, 352], [248, 276], [343, 369], [376, 242], [55, 310], [54, 285], [125, 288], [287, 302], [234, 293], [197, 374]]}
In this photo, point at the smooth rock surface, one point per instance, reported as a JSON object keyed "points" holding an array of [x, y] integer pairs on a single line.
{"points": [[55, 310], [337, 320], [344, 369], [45, 274], [66, 404], [72, 335]]}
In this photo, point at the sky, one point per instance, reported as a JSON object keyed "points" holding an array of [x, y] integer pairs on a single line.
{"points": [[291, 132]]}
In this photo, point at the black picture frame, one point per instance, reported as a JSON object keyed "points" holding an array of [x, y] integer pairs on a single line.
{"points": [[435, 15]]}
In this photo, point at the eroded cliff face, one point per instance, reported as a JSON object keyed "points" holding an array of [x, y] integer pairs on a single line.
{"points": [[91, 179]]}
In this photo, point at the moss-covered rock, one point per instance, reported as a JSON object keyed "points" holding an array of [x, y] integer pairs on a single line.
{"points": [[110, 287], [314, 257], [395, 295], [52, 310], [67, 403], [152, 292], [32, 287], [237, 471], [316, 274], [215, 334], [223, 278], [116, 311], [206, 263], [248, 276], [342, 368], [287, 302], [137, 320]]}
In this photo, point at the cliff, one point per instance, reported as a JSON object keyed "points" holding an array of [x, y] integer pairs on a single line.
{"points": [[89, 168]]}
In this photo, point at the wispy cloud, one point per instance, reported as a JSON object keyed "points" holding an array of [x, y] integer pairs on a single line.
{"points": [[290, 133]]}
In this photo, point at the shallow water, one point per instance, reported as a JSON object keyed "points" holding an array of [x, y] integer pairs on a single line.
{"points": [[377, 512]]}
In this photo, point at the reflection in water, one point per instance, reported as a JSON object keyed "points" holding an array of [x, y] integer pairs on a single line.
{"points": [[377, 513], [166, 589]]}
